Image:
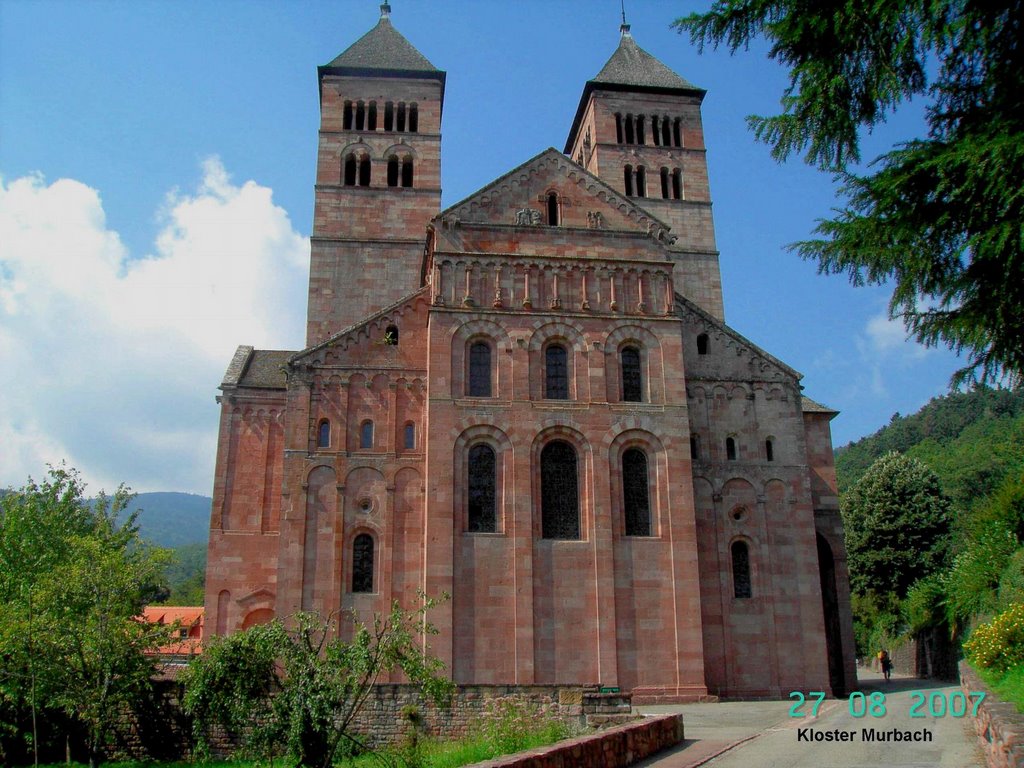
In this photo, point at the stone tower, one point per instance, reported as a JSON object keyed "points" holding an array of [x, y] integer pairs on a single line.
{"points": [[638, 128], [378, 178]]}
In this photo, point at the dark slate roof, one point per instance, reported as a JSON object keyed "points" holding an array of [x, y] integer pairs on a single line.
{"points": [[257, 368], [632, 65], [383, 48], [810, 406]]}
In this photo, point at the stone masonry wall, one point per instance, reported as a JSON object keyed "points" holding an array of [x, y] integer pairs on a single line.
{"points": [[1000, 727]]}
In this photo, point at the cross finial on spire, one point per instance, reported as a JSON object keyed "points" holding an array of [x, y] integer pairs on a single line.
{"points": [[624, 29], [385, 10]]}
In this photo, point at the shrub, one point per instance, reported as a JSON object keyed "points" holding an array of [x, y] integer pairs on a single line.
{"points": [[999, 645]]}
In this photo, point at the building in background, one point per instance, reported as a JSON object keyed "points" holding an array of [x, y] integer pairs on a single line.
{"points": [[531, 401]]}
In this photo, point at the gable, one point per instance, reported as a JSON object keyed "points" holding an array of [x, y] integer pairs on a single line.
{"points": [[520, 199]]}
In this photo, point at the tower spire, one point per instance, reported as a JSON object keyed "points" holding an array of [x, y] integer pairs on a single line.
{"points": [[385, 10], [624, 29]]}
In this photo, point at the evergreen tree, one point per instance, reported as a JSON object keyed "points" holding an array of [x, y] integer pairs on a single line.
{"points": [[939, 217]]}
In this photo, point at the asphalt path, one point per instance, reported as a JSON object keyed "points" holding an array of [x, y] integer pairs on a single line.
{"points": [[766, 735]]}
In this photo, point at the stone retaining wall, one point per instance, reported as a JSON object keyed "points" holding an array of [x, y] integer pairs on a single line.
{"points": [[1000, 727], [615, 747]]}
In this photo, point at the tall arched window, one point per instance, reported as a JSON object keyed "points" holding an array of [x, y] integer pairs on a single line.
{"points": [[407, 172], [389, 116], [655, 130], [694, 447], [552, 209], [481, 492], [556, 373], [362, 563], [730, 449], [393, 171], [401, 117], [769, 449], [559, 490], [666, 129], [414, 118], [364, 171], [371, 121], [641, 181], [632, 381], [366, 435], [677, 133], [677, 184], [323, 437], [741, 586], [349, 178], [410, 436], [347, 118], [360, 115], [480, 369], [664, 182], [636, 493], [627, 179], [640, 130], [629, 129], [618, 127]]}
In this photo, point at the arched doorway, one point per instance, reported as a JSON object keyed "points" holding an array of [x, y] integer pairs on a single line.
{"points": [[830, 606]]}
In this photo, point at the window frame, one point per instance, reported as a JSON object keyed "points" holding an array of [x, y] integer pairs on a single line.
{"points": [[479, 343], [369, 576], [554, 491], [646, 529], [548, 349], [479, 447]]}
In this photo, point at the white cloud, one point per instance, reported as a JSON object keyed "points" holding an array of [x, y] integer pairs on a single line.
{"points": [[112, 362], [887, 336]]}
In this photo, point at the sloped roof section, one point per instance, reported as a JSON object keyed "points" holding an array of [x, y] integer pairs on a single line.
{"points": [[383, 48], [632, 65], [810, 406], [257, 368]]}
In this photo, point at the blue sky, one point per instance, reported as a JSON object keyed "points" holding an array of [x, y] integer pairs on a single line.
{"points": [[156, 175]]}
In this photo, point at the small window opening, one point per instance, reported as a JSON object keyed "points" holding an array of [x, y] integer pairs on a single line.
{"points": [[741, 570], [677, 184], [350, 171], [362, 563], [730, 449], [677, 133], [480, 370], [389, 116], [664, 183], [364, 172], [640, 130], [360, 115], [559, 490], [410, 436], [391, 336], [769, 450], [627, 176], [632, 383], [655, 132], [552, 209], [392, 171], [618, 128], [629, 129], [702, 344], [414, 118], [666, 130], [556, 380], [407, 172], [636, 493], [366, 435], [641, 181], [347, 117], [371, 122], [401, 117], [482, 494], [694, 447], [323, 438]]}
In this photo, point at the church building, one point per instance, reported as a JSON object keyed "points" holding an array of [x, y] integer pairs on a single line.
{"points": [[530, 401]]}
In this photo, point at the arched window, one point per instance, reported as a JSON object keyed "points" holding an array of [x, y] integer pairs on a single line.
{"points": [[360, 115], [364, 171], [366, 435], [629, 129], [641, 181], [407, 172], [401, 117], [349, 178], [552, 209], [655, 131], [410, 436], [627, 178], [480, 369], [414, 118], [347, 117], [702, 344], [694, 447], [618, 127], [677, 184], [482, 473], [730, 449], [391, 336], [769, 450], [371, 121], [556, 373], [666, 129], [389, 116], [632, 382], [393, 171], [636, 493], [677, 133], [741, 586], [323, 435], [664, 182], [640, 130], [559, 490], [362, 563]]}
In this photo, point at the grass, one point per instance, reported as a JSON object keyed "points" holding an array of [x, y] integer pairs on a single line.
{"points": [[1008, 686]]}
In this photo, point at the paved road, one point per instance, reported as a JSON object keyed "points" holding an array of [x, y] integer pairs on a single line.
{"points": [[763, 735]]}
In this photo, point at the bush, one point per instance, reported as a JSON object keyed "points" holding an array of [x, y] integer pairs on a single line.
{"points": [[1011, 581], [999, 645]]}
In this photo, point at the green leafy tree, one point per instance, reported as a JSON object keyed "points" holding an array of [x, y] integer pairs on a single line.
{"points": [[938, 217], [299, 686], [897, 523], [72, 585]]}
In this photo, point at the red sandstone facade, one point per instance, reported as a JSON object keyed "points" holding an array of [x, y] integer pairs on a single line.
{"points": [[530, 401]]}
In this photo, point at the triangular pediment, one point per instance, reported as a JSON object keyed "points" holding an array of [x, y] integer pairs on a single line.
{"points": [[519, 199]]}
